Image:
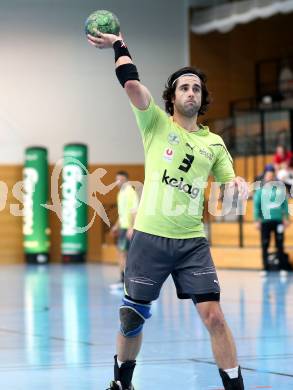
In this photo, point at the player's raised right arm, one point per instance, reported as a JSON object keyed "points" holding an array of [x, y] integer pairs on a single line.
{"points": [[126, 71]]}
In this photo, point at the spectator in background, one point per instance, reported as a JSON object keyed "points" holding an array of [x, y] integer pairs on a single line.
{"points": [[281, 157], [127, 202], [268, 167], [270, 219], [286, 176]]}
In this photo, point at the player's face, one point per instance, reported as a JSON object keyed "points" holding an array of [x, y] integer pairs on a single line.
{"points": [[120, 180], [280, 150], [187, 99], [269, 176]]}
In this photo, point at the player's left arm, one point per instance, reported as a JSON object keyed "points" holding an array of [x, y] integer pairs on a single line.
{"points": [[129, 232], [285, 211]]}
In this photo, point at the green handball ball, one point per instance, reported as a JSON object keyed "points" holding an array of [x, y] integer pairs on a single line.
{"points": [[104, 21]]}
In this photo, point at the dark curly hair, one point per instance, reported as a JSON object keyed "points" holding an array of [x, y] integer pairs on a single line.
{"points": [[169, 92], [123, 173]]}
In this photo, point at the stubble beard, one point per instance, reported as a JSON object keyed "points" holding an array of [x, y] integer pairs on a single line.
{"points": [[189, 110]]}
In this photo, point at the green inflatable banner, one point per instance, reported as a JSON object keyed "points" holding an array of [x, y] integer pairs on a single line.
{"points": [[35, 216], [74, 206]]}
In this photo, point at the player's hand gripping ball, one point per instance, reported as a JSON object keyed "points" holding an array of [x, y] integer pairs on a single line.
{"points": [[103, 21]]}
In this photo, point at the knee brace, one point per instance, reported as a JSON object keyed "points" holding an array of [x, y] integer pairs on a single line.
{"points": [[132, 316]]}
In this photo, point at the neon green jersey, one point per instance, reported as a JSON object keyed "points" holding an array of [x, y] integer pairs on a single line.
{"points": [[127, 201], [177, 166]]}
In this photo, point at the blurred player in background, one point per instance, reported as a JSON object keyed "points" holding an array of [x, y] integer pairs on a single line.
{"points": [[127, 203], [271, 215]]}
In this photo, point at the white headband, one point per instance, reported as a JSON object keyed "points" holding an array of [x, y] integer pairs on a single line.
{"points": [[183, 75]]}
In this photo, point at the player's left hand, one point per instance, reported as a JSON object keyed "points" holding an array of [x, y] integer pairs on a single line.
{"points": [[286, 223], [114, 231], [129, 233], [103, 41], [241, 185]]}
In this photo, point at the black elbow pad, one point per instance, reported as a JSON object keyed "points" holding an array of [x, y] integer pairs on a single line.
{"points": [[126, 72]]}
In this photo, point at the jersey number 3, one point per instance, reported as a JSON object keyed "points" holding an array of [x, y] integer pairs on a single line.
{"points": [[186, 163]]}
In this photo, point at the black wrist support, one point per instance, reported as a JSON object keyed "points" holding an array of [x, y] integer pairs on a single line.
{"points": [[126, 72], [120, 50]]}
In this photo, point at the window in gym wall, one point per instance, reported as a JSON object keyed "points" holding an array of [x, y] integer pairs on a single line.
{"points": [[248, 130], [276, 130]]}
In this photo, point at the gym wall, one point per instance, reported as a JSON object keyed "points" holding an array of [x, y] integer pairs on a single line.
{"points": [[57, 89], [229, 59]]}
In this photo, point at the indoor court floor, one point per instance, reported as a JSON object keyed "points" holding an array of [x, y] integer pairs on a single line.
{"points": [[58, 326]]}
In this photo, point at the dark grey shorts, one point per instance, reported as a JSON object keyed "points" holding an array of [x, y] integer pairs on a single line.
{"points": [[151, 259]]}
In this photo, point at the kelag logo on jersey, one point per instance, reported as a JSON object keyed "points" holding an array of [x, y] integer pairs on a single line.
{"points": [[180, 184]]}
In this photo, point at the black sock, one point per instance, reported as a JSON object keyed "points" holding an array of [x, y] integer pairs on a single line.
{"points": [[124, 373], [232, 384]]}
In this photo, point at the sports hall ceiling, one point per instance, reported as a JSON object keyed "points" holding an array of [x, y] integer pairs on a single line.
{"points": [[201, 4], [224, 15]]}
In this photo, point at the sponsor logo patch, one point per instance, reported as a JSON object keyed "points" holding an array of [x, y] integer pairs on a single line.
{"points": [[173, 139], [206, 154], [168, 154]]}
